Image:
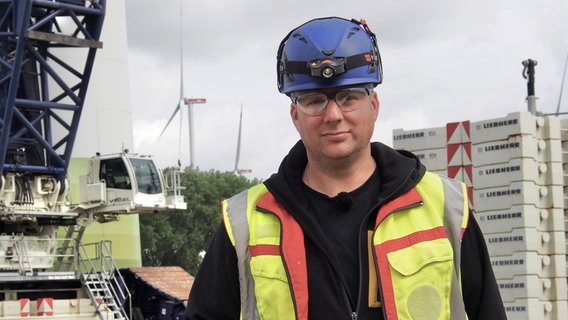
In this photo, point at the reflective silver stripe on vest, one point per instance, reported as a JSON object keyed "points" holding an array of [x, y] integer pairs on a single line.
{"points": [[237, 214], [453, 217]]}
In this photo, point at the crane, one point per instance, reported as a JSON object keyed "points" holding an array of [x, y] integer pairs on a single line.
{"points": [[42, 96]]}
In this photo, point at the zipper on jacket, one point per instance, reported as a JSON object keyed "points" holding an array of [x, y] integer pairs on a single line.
{"points": [[349, 303], [348, 298]]}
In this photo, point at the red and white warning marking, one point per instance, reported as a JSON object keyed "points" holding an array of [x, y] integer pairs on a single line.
{"points": [[45, 307]]}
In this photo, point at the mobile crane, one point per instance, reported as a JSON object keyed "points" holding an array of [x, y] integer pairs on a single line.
{"points": [[41, 99]]}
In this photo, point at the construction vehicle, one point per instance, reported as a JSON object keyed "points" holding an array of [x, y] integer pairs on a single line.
{"points": [[44, 271]]}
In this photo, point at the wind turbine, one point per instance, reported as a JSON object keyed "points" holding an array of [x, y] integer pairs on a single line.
{"points": [[184, 101], [237, 158]]}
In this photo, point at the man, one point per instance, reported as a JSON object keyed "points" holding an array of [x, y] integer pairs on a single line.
{"points": [[347, 229]]}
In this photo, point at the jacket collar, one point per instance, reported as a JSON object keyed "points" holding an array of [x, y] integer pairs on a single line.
{"points": [[399, 171]]}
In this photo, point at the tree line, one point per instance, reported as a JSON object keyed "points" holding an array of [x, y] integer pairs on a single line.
{"points": [[179, 238]]}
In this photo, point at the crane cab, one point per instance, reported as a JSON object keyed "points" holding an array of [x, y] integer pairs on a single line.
{"points": [[128, 183]]}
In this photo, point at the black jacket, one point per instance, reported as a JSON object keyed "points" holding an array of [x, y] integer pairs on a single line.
{"points": [[336, 289]]}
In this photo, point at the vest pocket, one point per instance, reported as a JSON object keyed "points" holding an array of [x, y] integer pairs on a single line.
{"points": [[268, 266], [421, 277], [272, 291], [410, 260]]}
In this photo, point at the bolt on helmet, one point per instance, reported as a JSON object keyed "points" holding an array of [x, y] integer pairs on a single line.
{"points": [[328, 52]]}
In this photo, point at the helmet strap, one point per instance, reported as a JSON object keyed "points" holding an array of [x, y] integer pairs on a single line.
{"points": [[340, 64]]}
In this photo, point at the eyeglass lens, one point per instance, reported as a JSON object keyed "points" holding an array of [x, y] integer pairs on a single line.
{"points": [[316, 102]]}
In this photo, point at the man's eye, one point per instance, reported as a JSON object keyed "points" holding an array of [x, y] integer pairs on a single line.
{"points": [[310, 101]]}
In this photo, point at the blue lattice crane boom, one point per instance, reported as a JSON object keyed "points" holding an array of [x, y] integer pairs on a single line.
{"points": [[37, 95]]}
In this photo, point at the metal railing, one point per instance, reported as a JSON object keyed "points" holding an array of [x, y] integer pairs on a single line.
{"points": [[30, 255], [107, 288]]}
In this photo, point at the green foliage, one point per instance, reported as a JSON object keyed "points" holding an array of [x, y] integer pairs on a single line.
{"points": [[177, 238]]}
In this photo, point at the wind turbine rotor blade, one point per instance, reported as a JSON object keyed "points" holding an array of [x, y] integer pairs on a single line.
{"points": [[562, 86], [239, 142], [171, 118], [181, 95]]}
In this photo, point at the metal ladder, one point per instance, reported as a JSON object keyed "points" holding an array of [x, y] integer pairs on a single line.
{"points": [[66, 253], [105, 286]]}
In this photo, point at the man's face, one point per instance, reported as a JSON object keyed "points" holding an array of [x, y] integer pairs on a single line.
{"points": [[335, 134]]}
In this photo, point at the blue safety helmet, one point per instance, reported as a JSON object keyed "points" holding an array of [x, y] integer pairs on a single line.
{"points": [[328, 52]]}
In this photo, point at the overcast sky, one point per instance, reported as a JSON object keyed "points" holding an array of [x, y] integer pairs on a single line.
{"points": [[444, 61]]}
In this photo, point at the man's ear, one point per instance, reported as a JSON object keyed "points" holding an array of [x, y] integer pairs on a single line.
{"points": [[376, 104], [294, 116]]}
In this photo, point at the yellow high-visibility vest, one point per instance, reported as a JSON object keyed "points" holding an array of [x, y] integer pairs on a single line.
{"points": [[415, 246]]}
